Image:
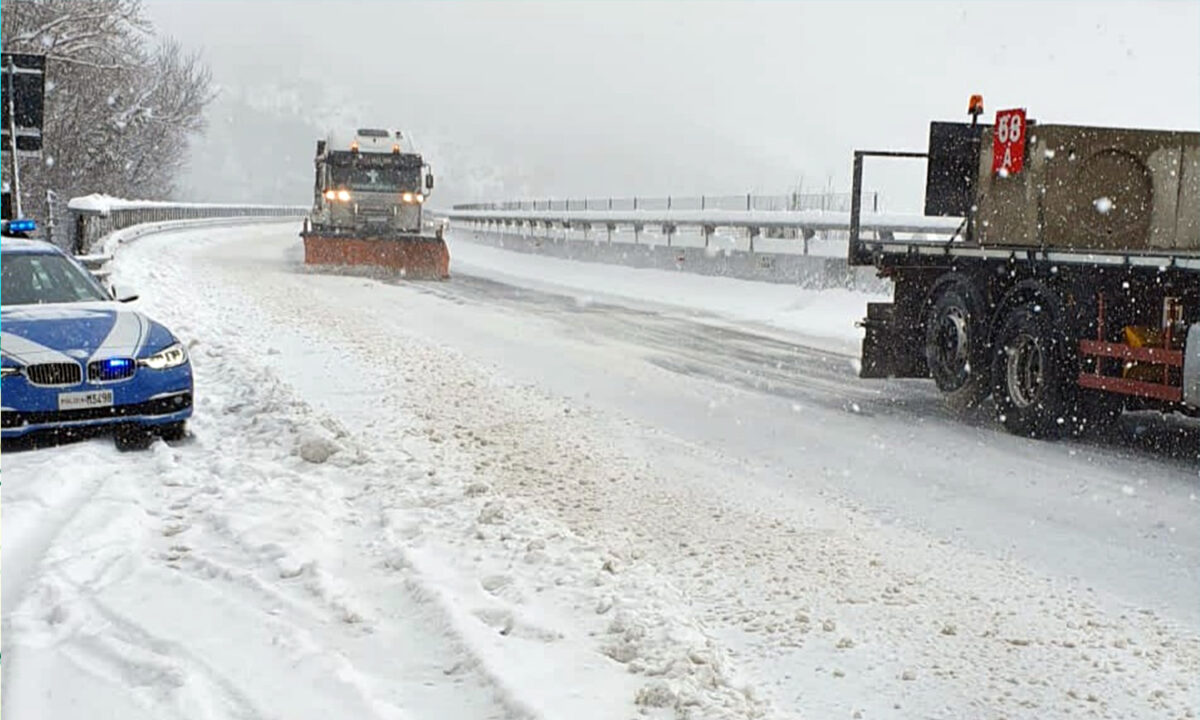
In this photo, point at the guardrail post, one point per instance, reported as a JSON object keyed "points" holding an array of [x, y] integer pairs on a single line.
{"points": [[749, 206]]}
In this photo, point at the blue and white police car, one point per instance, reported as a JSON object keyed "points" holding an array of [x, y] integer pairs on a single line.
{"points": [[73, 357]]}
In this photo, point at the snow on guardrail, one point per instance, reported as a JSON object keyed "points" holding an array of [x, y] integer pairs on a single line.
{"points": [[804, 220], [99, 204], [97, 216]]}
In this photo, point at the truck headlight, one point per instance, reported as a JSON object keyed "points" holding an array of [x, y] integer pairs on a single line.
{"points": [[344, 195], [169, 357], [331, 195], [407, 197]]}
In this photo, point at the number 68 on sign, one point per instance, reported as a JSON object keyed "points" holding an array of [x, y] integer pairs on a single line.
{"points": [[1008, 142]]}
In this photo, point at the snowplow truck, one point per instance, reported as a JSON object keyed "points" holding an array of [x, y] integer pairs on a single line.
{"points": [[1071, 291], [368, 207]]}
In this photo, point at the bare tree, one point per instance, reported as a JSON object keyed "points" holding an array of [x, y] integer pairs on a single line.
{"points": [[120, 104]]}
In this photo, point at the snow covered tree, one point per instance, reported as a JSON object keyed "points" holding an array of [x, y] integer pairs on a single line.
{"points": [[120, 102]]}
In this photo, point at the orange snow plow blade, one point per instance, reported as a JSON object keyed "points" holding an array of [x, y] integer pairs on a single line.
{"points": [[418, 257]]}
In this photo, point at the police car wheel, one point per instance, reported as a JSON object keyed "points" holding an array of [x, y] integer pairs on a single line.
{"points": [[172, 432], [132, 438]]}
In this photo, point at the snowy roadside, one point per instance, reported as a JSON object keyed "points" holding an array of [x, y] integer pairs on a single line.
{"points": [[545, 559], [278, 565], [826, 610], [822, 318]]}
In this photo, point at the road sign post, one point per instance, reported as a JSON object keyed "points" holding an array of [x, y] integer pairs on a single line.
{"points": [[21, 125]]}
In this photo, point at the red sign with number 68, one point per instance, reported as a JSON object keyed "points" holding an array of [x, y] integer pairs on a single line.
{"points": [[1008, 142]]}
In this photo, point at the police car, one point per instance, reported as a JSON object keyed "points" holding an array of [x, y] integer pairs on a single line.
{"points": [[73, 357]]}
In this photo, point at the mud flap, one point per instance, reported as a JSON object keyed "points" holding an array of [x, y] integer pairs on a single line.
{"points": [[893, 346]]}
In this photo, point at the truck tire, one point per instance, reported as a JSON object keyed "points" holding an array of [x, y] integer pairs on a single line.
{"points": [[956, 347], [1032, 383], [1098, 414]]}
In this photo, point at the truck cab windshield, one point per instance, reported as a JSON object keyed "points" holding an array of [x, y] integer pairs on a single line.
{"points": [[377, 178]]}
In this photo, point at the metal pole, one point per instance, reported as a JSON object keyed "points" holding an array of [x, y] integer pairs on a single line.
{"points": [[50, 215], [855, 204], [12, 138]]}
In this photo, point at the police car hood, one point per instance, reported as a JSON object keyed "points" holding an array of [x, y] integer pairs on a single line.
{"points": [[77, 331]]}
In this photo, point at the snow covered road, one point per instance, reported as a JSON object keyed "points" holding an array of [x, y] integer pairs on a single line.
{"points": [[544, 489]]}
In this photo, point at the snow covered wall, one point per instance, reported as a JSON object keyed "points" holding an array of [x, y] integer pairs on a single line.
{"points": [[96, 216], [809, 271]]}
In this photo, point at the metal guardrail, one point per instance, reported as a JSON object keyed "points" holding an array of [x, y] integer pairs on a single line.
{"points": [[750, 201], [805, 223], [93, 217]]}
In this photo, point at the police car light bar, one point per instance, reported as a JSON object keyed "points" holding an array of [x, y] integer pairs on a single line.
{"points": [[22, 225]]}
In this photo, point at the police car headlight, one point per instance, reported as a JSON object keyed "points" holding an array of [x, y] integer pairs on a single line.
{"points": [[169, 357], [9, 371]]}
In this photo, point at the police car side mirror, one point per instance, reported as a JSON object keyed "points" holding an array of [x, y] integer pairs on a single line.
{"points": [[123, 295]]}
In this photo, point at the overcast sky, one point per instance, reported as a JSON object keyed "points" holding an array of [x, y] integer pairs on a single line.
{"points": [[574, 98]]}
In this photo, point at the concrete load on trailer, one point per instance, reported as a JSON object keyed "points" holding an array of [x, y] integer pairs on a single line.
{"points": [[1071, 291], [368, 207]]}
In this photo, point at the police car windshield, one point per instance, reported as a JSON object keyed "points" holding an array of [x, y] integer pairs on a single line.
{"points": [[36, 278]]}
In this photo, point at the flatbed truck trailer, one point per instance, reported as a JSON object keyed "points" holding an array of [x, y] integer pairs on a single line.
{"points": [[1071, 291]]}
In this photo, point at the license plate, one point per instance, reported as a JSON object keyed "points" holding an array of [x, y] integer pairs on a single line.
{"points": [[82, 400]]}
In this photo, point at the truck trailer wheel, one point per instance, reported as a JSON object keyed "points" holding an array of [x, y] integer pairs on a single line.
{"points": [[1032, 384], [956, 349]]}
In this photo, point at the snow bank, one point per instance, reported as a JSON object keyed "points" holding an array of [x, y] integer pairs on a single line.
{"points": [[321, 572], [100, 204]]}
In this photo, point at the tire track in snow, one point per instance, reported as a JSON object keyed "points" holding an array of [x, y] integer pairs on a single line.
{"points": [[845, 601]]}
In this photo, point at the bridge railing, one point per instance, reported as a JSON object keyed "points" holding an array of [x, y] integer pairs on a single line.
{"points": [[800, 224], [96, 216], [749, 201]]}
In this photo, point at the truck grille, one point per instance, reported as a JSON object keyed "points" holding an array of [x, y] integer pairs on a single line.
{"points": [[111, 369], [60, 373]]}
